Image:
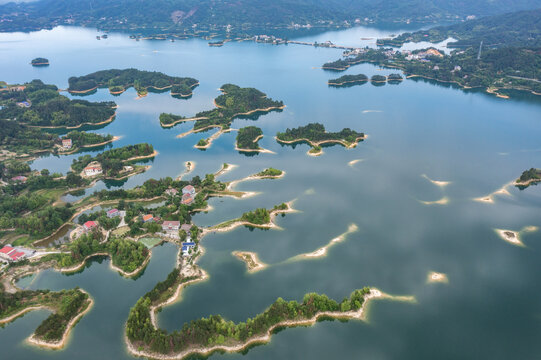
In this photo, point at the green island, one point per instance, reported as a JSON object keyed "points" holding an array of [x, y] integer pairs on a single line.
{"points": [[270, 172], [248, 137], [40, 62], [170, 120], [67, 306], [528, 177], [315, 135], [378, 79], [77, 140], [111, 163], [348, 80], [40, 105], [207, 335], [118, 81], [235, 102]]}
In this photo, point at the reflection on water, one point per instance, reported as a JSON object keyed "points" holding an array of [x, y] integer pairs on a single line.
{"points": [[488, 309]]}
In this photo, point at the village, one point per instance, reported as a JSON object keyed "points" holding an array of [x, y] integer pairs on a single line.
{"points": [[169, 230]]}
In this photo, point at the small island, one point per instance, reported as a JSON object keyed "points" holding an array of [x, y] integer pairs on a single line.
{"points": [[112, 163], [119, 81], [40, 62], [348, 80], [248, 137], [251, 260], [528, 177], [315, 135], [394, 78], [235, 102], [378, 79]]}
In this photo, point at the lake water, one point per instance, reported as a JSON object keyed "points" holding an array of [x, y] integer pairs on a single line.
{"points": [[491, 307]]}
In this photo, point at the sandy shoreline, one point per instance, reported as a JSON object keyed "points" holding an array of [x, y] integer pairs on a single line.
{"points": [[514, 237], [189, 167], [253, 264], [322, 251], [490, 197], [443, 201], [142, 157], [62, 342], [224, 170], [436, 277], [436, 182]]}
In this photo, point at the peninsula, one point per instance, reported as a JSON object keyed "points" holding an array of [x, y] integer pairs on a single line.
{"points": [[119, 81], [315, 135]]}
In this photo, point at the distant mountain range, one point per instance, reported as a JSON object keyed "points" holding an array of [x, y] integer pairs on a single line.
{"points": [[174, 15]]}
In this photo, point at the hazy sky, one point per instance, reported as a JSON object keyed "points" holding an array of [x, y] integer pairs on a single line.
{"points": [[17, 1]]}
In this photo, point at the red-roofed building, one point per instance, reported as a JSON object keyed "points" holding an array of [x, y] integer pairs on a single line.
{"points": [[89, 225], [16, 255], [6, 249], [188, 189], [112, 213], [187, 199], [67, 143], [147, 218], [19, 178]]}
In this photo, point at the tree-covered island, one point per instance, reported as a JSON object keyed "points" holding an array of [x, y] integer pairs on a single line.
{"points": [[235, 102], [118, 81], [40, 62], [528, 177], [67, 306], [348, 80], [248, 137], [113, 163], [40, 105], [315, 135]]}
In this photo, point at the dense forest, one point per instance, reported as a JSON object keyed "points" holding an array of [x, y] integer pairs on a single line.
{"points": [[120, 80], [46, 107], [521, 29], [169, 119], [39, 62], [128, 255], [270, 172], [181, 15], [348, 80], [315, 133], [23, 139], [248, 136], [66, 303], [215, 330]]}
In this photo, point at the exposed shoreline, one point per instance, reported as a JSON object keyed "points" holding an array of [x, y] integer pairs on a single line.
{"points": [[360, 314], [181, 120], [142, 157], [55, 345], [189, 167], [436, 277], [253, 264], [322, 251]]}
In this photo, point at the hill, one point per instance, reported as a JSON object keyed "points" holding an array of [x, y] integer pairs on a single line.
{"points": [[521, 28], [175, 15]]}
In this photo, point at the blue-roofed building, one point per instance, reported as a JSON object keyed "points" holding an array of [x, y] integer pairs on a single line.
{"points": [[186, 246]]}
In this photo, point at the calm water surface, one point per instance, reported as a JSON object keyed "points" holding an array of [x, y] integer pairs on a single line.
{"points": [[491, 307]]}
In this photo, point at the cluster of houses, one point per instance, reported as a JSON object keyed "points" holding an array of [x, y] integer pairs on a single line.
{"points": [[19, 179], [422, 55], [13, 254], [188, 194]]}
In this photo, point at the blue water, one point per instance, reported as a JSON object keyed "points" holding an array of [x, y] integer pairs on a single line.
{"points": [[489, 309]]}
